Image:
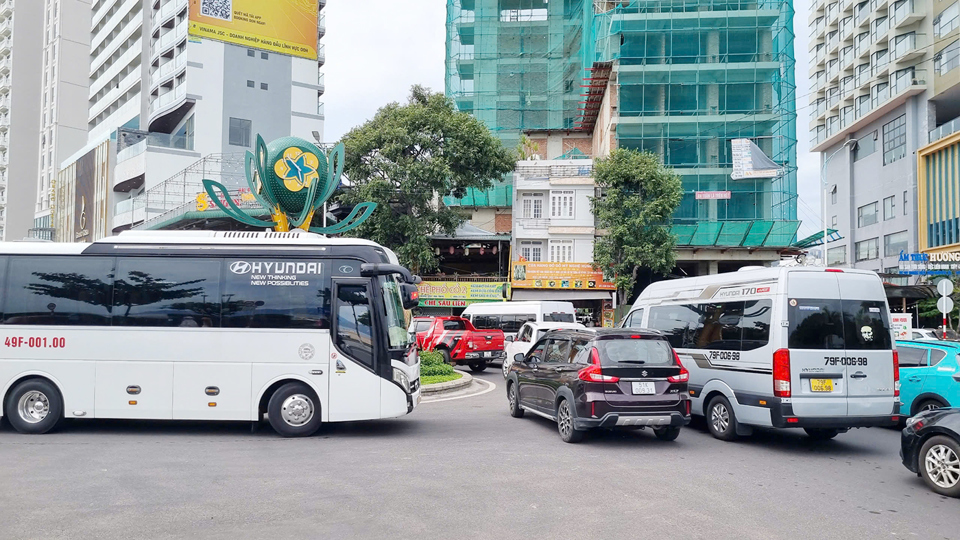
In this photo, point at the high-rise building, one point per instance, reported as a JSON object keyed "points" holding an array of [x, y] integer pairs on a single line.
{"points": [[675, 78], [21, 58], [64, 78], [884, 77], [171, 88]]}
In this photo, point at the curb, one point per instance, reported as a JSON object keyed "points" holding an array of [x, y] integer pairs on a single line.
{"points": [[448, 386]]}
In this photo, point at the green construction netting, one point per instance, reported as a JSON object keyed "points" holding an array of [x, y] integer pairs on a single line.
{"points": [[759, 231], [684, 233], [783, 233], [733, 233], [707, 233], [500, 195]]}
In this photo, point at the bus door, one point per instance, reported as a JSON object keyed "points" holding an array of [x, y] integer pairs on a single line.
{"points": [[354, 383]]}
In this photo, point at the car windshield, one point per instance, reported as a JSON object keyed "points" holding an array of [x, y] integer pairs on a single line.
{"points": [[649, 352], [395, 315]]}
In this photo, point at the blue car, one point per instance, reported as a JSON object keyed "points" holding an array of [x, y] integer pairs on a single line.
{"points": [[929, 375]]}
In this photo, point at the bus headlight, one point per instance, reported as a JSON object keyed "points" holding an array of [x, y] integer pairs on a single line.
{"points": [[400, 378]]}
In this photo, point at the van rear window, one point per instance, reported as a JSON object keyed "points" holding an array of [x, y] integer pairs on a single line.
{"points": [[558, 317], [838, 324]]}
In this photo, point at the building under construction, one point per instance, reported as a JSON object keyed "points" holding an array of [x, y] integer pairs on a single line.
{"points": [[680, 78]]}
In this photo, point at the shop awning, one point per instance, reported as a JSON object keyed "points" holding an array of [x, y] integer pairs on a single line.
{"points": [[543, 294]]}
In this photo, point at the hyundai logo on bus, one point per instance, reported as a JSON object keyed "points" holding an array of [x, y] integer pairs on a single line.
{"points": [[292, 178], [244, 267]]}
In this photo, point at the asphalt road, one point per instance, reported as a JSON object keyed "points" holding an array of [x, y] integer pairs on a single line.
{"points": [[459, 469]]}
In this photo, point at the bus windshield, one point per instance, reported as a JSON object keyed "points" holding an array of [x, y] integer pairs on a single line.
{"points": [[395, 323]]}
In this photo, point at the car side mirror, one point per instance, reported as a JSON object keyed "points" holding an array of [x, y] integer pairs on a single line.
{"points": [[508, 338], [518, 357], [534, 360]]}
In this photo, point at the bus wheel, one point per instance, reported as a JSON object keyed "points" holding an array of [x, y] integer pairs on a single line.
{"points": [[477, 367], [294, 410], [34, 407]]}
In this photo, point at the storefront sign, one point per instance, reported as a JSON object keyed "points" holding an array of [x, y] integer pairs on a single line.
{"points": [[547, 275], [929, 264], [459, 293], [901, 324], [712, 195]]}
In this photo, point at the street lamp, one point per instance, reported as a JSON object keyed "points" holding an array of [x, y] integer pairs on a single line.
{"points": [[823, 181]]}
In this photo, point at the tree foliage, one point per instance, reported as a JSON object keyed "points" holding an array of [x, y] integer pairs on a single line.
{"points": [[406, 159], [639, 196]]}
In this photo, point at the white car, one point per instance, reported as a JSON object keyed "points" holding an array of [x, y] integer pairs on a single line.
{"points": [[529, 334], [925, 334]]}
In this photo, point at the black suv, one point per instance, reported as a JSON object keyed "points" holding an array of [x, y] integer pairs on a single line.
{"points": [[602, 378]]}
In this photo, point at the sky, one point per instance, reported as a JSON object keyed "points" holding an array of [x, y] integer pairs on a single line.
{"points": [[377, 49]]}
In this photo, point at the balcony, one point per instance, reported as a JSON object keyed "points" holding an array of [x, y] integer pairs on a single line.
{"points": [[4, 122], [6, 8], [4, 140], [321, 54], [863, 75], [322, 26], [949, 128], [555, 171], [846, 56], [320, 110], [171, 8], [168, 99], [908, 47], [904, 13], [861, 44], [168, 70], [170, 39], [880, 28], [861, 14], [5, 44], [321, 84]]}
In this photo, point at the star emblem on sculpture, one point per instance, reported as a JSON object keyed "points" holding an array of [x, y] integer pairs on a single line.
{"points": [[292, 178]]}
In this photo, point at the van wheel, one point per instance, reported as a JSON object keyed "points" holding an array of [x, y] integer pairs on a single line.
{"points": [[820, 434], [927, 405], [294, 410], [940, 465], [721, 421], [515, 410], [667, 433], [34, 407], [477, 367]]}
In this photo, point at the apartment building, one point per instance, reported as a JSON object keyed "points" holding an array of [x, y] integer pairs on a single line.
{"points": [[880, 70], [167, 96], [21, 58], [64, 80]]}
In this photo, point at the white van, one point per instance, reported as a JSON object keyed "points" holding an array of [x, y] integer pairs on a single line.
{"points": [[510, 316], [780, 347]]}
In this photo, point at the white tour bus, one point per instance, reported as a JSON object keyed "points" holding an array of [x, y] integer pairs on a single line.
{"points": [[205, 326], [510, 316], [780, 347]]}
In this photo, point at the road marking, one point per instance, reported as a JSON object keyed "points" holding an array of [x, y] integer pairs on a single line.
{"points": [[491, 388]]}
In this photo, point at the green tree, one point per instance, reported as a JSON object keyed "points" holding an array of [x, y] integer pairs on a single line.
{"points": [[639, 196], [406, 159]]}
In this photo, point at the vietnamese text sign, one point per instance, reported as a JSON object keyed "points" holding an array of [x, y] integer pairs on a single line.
{"points": [[280, 26], [459, 293], [902, 325], [711, 195], [547, 275]]}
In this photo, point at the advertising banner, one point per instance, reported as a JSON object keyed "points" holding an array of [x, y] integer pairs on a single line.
{"points": [[459, 293], [901, 324], [547, 275], [280, 26]]}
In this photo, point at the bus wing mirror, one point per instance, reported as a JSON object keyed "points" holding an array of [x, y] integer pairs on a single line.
{"points": [[377, 269], [410, 295]]}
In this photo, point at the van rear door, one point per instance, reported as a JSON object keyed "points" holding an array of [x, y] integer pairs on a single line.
{"points": [[814, 312], [868, 346]]}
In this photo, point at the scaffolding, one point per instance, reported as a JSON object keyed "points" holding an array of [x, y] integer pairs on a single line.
{"points": [[688, 76]]}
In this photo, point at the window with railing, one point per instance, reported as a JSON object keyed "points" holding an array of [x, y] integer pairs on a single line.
{"points": [[903, 44], [846, 85], [903, 79], [833, 96], [863, 74], [861, 43], [863, 106], [947, 21], [880, 27], [846, 116], [879, 94], [861, 12], [947, 59], [846, 55]]}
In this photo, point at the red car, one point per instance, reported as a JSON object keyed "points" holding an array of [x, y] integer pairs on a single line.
{"points": [[458, 340]]}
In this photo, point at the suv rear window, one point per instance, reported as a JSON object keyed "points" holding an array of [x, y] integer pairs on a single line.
{"points": [[839, 324], [649, 352]]}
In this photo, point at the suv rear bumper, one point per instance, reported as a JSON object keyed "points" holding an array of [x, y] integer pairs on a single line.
{"points": [[781, 416], [613, 420], [478, 355]]}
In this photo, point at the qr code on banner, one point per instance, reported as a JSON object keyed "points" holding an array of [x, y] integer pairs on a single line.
{"points": [[220, 9]]}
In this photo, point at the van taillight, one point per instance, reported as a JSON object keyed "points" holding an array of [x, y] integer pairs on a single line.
{"points": [[683, 376], [781, 373], [593, 372], [896, 373]]}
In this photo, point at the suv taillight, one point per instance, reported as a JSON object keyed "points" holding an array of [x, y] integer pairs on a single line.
{"points": [[781, 373], [896, 373], [683, 376], [593, 372]]}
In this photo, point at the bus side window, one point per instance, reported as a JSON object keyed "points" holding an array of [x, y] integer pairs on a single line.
{"points": [[166, 291], [257, 294], [354, 323], [59, 291]]}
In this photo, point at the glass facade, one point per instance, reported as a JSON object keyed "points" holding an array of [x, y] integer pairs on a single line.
{"points": [[691, 76]]}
